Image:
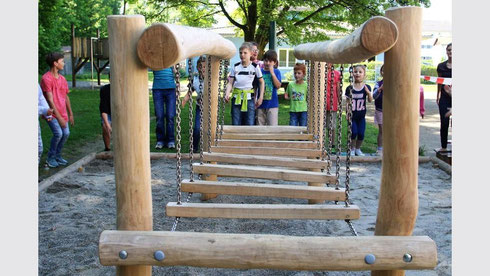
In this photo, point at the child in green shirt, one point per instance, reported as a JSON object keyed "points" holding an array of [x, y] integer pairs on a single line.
{"points": [[296, 91]]}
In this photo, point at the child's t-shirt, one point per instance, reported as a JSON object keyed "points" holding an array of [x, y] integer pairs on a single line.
{"points": [[297, 96], [378, 96], [163, 79], [59, 88], [270, 91], [358, 100], [244, 76]]}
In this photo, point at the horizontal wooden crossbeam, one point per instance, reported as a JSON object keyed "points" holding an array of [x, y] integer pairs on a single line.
{"points": [[261, 189], [277, 161], [268, 136], [269, 143], [263, 129], [263, 173], [311, 153], [262, 211], [254, 251]]}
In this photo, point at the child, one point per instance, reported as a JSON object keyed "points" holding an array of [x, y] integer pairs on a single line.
{"points": [[296, 92], [358, 93], [197, 85], [267, 113], [164, 101], [332, 111], [242, 76], [55, 89], [42, 109], [378, 113], [105, 115], [422, 108]]}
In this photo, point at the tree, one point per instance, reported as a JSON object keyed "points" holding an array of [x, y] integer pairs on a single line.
{"points": [[297, 21]]}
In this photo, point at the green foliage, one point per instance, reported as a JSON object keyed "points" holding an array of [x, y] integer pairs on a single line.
{"points": [[56, 17]]}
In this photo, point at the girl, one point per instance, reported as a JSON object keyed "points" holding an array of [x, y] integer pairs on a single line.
{"points": [[296, 91], [444, 95], [358, 93], [378, 113]]}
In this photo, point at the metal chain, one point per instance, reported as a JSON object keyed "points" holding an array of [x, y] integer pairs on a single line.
{"points": [[324, 150], [312, 84], [201, 80], [191, 119], [351, 226], [318, 108], [339, 128], [331, 127], [307, 92], [209, 102], [225, 84], [220, 101], [349, 136], [178, 138]]}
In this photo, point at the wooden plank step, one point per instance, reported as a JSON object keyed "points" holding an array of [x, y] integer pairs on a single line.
{"points": [[263, 173], [266, 251], [262, 211], [260, 189], [263, 129], [269, 143], [268, 136], [306, 153], [277, 161]]}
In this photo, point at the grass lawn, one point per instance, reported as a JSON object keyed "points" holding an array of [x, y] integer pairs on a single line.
{"points": [[86, 135]]}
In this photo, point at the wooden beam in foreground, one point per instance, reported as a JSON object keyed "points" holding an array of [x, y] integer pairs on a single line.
{"points": [[375, 36], [262, 211], [268, 136], [269, 144], [277, 161], [254, 251], [315, 153], [262, 189], [263, 129], [263, 173]]}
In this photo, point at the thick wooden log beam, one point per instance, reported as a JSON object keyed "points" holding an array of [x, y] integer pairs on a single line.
{"points": [[375, 36], [254, 251], [162, 45], [131, 130], [398, 197]]}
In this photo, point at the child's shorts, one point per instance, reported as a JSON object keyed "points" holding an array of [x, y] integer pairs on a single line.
{"points": [[378, 117], [108, 119]]}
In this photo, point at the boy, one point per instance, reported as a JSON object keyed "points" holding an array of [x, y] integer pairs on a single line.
{"points": [[267, 113], [296, 91], [55, 89], [105, 115], [242, 76]]}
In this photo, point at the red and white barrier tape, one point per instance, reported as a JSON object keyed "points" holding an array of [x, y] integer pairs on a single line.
{"points": [[447, 81]]}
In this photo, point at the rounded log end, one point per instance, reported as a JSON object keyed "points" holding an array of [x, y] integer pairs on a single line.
{"points": [[158, 48], [379, 34]]}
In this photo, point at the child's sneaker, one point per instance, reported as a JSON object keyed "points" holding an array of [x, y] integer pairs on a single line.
{"points": [[61, 161], [171, 145], [352, 153], [52, 163], [359, 152], [159, 145], [379, 152]]}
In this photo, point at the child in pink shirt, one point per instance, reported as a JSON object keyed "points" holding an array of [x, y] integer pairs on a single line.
{"points": [[55, 89]]}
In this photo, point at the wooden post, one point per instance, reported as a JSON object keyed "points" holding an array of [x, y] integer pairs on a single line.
{"points": [[398, 200], [316, 119], [214, 80], [131, 130], [73, 58]]}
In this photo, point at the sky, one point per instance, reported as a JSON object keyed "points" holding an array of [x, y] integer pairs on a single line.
{"points": [[440, 10]]}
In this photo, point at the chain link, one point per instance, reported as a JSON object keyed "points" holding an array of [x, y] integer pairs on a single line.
{"points": [[178, 138], [191, 119], [201, 80], [208, 65], [220, 101], [351, 227], [308, 93], [225, 84], [349, 135], [318, 104]]}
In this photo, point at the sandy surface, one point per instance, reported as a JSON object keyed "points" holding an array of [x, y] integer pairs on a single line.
{"points": [[75, 210]]}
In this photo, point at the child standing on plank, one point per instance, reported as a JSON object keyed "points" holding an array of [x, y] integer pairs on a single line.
{"points": [[358, 92], [55, 89], [296, 92], [197, 86], [378, 113], [268, 111], [241, 87]]}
